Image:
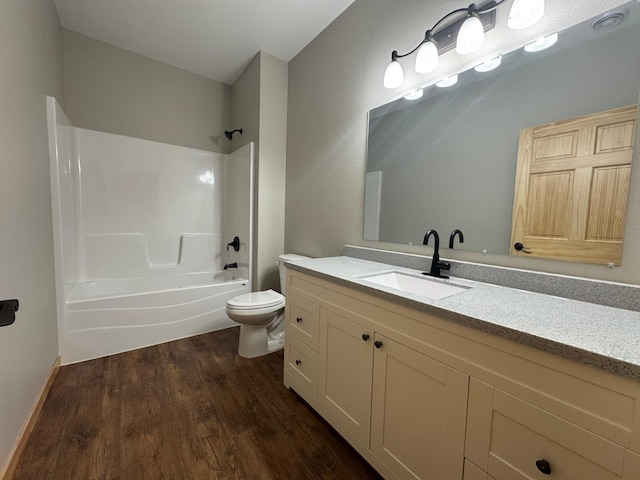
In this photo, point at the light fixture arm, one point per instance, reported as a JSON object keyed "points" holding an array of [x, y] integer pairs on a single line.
{"points": [[428, 36]]}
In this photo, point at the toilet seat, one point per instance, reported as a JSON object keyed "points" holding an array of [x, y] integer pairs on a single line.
{"points": [[268, 299]]}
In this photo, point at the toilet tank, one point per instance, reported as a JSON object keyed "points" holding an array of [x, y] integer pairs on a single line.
{"points": [[283, 271]]}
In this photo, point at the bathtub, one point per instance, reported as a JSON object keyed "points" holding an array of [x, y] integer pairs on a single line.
{"points": [[116, 315]]}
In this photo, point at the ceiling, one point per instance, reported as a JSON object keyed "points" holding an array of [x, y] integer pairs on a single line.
{"points": [[213, 38]]}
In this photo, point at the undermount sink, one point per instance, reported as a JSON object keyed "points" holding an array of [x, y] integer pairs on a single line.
{"points": [[424, 286]]}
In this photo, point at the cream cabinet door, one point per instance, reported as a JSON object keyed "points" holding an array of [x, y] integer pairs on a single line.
{"points": [[471, 472], [418, 413], [345, 367]]}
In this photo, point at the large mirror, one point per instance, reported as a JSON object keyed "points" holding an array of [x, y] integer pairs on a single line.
{"points": [[447, 161]]}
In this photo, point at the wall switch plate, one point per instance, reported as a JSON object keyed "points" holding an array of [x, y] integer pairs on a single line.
{"points": [[8, 309]]}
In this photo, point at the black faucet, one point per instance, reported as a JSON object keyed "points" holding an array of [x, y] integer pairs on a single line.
{"points": [[230, 265], [235, 244], [453, 236], [436, 264]]}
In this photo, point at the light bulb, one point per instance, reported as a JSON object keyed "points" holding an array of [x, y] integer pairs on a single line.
{"points": [[489, 65], [470, 36], [393, 75], [447, 82], [427, 58], [525, 13], [415, 95], [542, 43]]}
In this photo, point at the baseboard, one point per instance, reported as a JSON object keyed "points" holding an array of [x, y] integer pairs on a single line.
{"points": [[12, 461]]}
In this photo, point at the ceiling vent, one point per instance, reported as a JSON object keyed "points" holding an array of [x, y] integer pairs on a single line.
{"points": [[609, 20]]}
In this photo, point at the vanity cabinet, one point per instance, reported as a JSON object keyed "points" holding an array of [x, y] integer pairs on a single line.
{"points": [[422, 397], [512, 439], [402, 405], [418, 412], [301, 345], [473, 472], [345, 368]]}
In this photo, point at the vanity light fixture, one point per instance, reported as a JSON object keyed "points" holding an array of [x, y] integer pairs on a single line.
{"points": [[525, 13], [393, 75], [447, 82], [466, 34], [471, 33], [427, 57], [542, 43], [489, 65]]}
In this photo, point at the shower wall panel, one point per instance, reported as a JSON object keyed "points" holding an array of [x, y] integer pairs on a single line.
{"points": [[146, 207], [239, 181], [63, 161]]}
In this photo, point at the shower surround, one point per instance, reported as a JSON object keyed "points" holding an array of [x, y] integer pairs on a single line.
{"points": [[140, 232]]}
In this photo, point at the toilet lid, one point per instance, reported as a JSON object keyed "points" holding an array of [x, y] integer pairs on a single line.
{"points": [[268, 298]]}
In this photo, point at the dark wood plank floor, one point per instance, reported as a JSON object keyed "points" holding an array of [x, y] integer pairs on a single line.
{"points": [[189, 409]]}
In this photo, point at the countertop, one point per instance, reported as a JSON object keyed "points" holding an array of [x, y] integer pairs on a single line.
{"points": [[603, 337]]}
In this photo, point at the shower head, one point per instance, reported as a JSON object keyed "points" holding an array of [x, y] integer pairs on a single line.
{"points": [[229, 134]]}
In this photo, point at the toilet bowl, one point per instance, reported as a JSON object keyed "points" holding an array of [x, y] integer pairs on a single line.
{"points": [[261, 317]]}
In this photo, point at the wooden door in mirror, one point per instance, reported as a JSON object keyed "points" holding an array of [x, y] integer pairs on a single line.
{"points": [[571, 186]]}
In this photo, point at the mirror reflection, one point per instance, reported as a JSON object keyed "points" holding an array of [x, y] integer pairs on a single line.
{"points": [[447, 161]]}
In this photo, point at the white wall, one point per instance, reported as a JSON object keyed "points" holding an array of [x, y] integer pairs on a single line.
{"points": [[31, 66], [113, 90], [337, 79]]}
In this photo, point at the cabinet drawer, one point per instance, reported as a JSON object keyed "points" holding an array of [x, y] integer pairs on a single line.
{"points": [[301, 363], [512, 439], [303, 319]]}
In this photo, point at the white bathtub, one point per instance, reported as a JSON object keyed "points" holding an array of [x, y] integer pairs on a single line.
{"points": [[111, 316]]}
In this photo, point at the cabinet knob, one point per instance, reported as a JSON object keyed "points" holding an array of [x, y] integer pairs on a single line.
{"points": [[365, 336], [544, 466], [298, 362], [377, 343], [298, 319]]}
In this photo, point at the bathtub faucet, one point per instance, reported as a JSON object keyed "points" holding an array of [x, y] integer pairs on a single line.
{"points": [[235, 244], [230, 265]]}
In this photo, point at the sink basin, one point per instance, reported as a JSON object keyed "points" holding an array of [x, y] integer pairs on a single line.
{"points": [[424, 286]]}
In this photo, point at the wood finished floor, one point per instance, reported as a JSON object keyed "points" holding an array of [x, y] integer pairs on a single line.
{"points": [[189, 409]]}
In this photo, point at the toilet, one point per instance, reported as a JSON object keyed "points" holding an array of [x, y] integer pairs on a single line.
{"points": [[261, 316]]}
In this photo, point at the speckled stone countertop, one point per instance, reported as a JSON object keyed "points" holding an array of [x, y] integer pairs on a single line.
{"points": [[603, 337]]}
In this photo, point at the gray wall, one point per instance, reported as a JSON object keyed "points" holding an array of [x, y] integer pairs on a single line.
{"points": [[259, 107], [271, 168], [31, 64], [245, 105], [245, 114], [337, 79], [117, 91]]}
